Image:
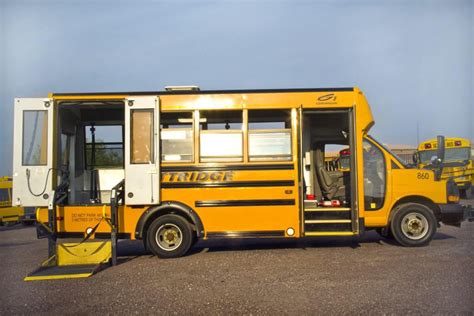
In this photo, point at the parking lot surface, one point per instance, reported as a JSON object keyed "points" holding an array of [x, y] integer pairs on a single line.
{"points": [[368, 274]]}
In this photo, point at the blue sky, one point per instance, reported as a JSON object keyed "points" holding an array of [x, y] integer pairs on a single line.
{"points": [[413, 59]]}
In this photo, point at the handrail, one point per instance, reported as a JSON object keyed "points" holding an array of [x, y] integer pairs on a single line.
{"points": [[116, 199]]}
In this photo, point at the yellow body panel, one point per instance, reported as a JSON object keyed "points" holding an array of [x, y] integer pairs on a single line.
{"points": [[85, 253]]}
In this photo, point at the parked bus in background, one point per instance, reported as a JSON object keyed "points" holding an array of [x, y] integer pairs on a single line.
{"points": [[344, 160], [10, 215], [458, 160]]}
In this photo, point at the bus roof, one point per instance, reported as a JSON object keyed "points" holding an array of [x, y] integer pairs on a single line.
{"points": [[449, 142], [181, 92]]}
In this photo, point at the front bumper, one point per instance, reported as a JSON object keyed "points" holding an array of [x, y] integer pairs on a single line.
{"points": [[454, 214]]}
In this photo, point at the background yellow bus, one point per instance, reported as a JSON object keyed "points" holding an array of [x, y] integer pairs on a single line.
{"points": [[10, 215], [460, 166]]}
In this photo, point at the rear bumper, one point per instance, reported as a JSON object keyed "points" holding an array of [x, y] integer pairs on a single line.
{"points": [[454, 214]]}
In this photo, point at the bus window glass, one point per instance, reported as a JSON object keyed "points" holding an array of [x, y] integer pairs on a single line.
{"points": [[4, 197], [450, 154], [177, 137], [374, 176], [457, 154], [221, 136], [269, 135], [104, 146], [35, 138], [142, 140]]}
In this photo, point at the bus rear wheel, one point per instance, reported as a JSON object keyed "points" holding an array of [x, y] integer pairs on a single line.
{"points": [[169, 236], [413, 225]]}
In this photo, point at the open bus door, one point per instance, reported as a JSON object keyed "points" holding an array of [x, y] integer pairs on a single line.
{"points": [[142, 151], [33, 152]]}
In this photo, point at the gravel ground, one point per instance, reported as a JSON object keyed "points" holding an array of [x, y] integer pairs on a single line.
{"points": [[323, 276]]}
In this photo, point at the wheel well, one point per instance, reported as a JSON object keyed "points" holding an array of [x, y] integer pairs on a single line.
{"points": [[416, 199], [168, 208]]}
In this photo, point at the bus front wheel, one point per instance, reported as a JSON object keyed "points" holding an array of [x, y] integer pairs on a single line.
{"points": [[169, 236], [413, 225]]}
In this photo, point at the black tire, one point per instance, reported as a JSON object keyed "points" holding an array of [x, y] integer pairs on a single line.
{"points": [[463, 194], [413, 225], [180, 236]]}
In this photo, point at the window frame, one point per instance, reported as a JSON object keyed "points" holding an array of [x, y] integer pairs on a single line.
{"points": [[242, 131], [86, 165], [193, 139], [153, 141]]}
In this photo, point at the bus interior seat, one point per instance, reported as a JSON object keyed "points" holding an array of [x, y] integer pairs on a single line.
{"points": [[331, 186]]}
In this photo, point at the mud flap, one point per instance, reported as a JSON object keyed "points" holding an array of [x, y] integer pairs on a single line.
{"points": [[74, 260]]}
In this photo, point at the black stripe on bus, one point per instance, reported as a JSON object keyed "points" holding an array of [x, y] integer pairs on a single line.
{"points": [[96, 235], [220, 203], [343, 89], [248, 234], [233, 184], [228, 168]]}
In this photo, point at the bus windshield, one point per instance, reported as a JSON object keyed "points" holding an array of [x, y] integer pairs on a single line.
{"points": [[451, 155]]}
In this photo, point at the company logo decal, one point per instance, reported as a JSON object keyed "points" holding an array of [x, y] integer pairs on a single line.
{"points": [[197, 176], [327, 97]]}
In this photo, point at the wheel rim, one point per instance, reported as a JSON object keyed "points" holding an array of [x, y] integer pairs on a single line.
{"points": [[169, 237], [414, 226]]}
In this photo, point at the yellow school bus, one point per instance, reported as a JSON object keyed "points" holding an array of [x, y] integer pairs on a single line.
{"points": [[458, 155], [344, 160], [10, 215], [175, 166]]}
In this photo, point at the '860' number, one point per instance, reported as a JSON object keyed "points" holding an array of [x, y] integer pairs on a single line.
{"points": [[423, 175]]}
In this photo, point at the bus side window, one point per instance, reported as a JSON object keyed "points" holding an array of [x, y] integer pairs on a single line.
{"points": [[221, 137], [4, 197], [269, 135], [177, 137]]}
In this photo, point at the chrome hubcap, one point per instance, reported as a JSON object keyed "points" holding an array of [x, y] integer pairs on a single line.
{"points": [[414, 226], [169, 237]]}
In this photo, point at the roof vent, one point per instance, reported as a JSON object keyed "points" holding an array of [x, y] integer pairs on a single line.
{"points": [[182, 88]]}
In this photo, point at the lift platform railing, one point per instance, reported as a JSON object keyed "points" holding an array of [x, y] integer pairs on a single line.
{"points": [[117, 198]]}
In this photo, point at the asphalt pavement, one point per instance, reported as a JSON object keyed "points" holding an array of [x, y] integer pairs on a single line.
{"points": [[361, 275]]}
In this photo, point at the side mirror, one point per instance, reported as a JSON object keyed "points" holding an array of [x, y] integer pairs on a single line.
{"points": [[416, 158], [436, 161], [441, 147]]}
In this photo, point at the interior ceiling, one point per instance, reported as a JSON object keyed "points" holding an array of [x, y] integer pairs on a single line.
{"points": [[328, 128]]}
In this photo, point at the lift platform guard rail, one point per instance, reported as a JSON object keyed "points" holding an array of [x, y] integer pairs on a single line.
{"points": [[79, 259], [177, 166]]}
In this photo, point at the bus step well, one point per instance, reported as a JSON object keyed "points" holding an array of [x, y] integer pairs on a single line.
{"points": [[327, 221]]}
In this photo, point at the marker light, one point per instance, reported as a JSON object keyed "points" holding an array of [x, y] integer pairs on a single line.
{"points": [[427, 146], [457, 143]]}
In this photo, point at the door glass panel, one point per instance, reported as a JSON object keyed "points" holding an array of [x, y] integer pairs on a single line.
{"points": [[35, 138], [374, 176], [141, 150]]}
